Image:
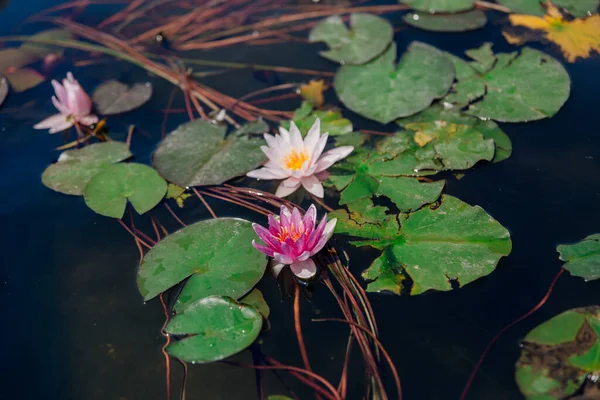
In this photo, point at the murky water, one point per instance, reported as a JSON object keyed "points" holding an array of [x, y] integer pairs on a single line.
{"points": [[74, 326]]}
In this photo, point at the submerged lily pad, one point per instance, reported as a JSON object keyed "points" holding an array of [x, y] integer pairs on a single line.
{"points": [[113, 97], [41, 50], [489, 129], [215, 328], [198, 153], [461, 22], [107, 192], [75, 168], [368, 36], [332, 120], [382, 91], [583, 258], [510, 87], [577, 8], [3, 89], [434, 6], [559, 354], [454, 242], [217, 253], [24, 79], [255, 299]]}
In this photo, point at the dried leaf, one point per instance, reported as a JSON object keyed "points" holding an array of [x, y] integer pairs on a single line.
{"points": [[313, 92], [576, 38]]}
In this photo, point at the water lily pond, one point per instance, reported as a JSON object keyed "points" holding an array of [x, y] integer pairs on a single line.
{"points": [[300, 199]]}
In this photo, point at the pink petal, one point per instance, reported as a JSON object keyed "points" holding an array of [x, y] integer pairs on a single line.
{"points": [[310, 218], [274, 225], [287, 187], [88, 120], [296, 219], [263, 249], [315, 236], [266, 236], [327, 233], [332, 156], [59, 91], [312, 137], [304, 269], [61, 107], [282, 258], [312, 185], [49, 122], [284, 217]]}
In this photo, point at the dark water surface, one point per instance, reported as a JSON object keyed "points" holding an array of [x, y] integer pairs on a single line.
{"points": [[75, 327]]}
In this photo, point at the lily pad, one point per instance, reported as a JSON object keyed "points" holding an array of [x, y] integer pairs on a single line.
{"points": [[107, 192], [434, 6], [332, 120], [24, 79], [462, 22], [583, 258], [368, 36], [198, 153], [454, 242], [40, 50], [559, 354], [510, 87], [75, 168], [255, 299], [382, 91], [215, 328], [113, 97], [217, 254], [489, 129], [3, 89], [577, 8], [13, 58]]}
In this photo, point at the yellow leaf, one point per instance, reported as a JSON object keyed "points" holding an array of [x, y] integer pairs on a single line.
{"points": [[313, 92], [423, 138], [576, 38], [177, 193]]}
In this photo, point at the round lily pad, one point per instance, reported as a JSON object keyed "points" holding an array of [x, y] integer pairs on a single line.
{"points": [[214, 328], [217, 254], [368, 36], [113, 97], [559, 354], [577, 8], [75, 168], [198, 153], [107, 192], [434, 6], [461, 22], [382, 91]]}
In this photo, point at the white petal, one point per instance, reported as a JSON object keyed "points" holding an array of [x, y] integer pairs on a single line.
{"points": [[276, 269], [267, 173], [61, 127], [329, 228], [296, 137], [270, 139], [51, 121], [285, 136], [88, 120], [312, 185], [331, 157], [304, 269], [312, 137], [319, 147], [287, 187]]}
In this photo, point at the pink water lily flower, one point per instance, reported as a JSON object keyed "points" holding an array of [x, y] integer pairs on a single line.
{"points": [[292, 240], [297, 161], [74, 105]]}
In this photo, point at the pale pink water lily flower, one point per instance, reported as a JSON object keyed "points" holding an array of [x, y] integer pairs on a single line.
{"points": [[73, 104], [292, 240], [298, 161]]}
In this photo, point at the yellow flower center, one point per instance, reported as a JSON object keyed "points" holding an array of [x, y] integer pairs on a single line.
{"points": [[294, 233], [295, 160]]}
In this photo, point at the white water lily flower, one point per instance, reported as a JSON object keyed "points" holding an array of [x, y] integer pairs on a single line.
{"points": [[298, 161]]}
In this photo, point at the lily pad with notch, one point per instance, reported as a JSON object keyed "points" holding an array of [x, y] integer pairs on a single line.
{"points": [[461, 22], [113, 97], [332, 120], [368, 36], [582, 258]]}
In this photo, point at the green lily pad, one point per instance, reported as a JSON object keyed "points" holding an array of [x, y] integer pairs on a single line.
{"points": [[462, 22], [558, 355], [215, 328], [198, 153], [14, 58], [332, 120], [217, 254], [278, 397], [489, 129], [510, 87], [255, 299], [24, 79], [382, 91], [435, 6], [75, 168], [113, 97], [433, 246], [368, 36], [41, 50], [577, 8], [108, 191], [583, 258]]}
